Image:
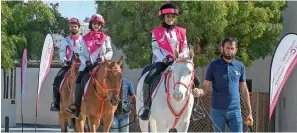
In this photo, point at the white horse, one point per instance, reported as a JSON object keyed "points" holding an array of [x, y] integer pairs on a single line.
{"points": [[171, 108]]}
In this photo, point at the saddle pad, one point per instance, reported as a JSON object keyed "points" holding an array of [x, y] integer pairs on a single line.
{"points": [[60, 87], [86, 86], [146, 69]]}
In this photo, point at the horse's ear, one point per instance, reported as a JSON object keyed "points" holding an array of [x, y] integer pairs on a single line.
{"points": [[112, 63], [107, 62], [191, 54], [121, 61]]}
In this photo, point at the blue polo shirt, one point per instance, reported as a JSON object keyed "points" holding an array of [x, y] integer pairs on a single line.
{"points": [[128, 90], [225, 78]]}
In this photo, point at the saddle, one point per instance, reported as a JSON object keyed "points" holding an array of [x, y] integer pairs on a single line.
{"points": [[62, 78], [85, 79], [154, 83]]}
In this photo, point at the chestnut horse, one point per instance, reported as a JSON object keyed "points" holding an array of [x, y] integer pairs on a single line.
{"points": [[101, 96], [66, 90]]}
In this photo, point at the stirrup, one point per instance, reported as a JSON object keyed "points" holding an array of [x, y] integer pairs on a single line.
{"points": [[54, 107], [143, 108], [71, 109], [76, 116], [145, 114]]}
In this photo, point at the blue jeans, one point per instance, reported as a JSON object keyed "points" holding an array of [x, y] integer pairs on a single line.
{"points": [[233, 119], [119, 121]]}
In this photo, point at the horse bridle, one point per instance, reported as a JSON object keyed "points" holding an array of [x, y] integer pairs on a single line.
{"points": [[181, 83], [104, 86]]}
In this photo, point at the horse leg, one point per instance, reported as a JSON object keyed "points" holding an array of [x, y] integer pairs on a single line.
{"points": [[61, 121], [66, 129], [153, 125], [182, 127], [93, 123], [158, 126], [108, 119], [73, 124], [79, 124]]}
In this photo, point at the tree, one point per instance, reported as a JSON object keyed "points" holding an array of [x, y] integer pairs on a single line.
{"points": [[86, 19], [60, 27], [26, 25], [61, 24], [257, 26]]}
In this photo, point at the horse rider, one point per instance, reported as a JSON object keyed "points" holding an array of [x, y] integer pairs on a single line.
{"points": [[165, 40], [96, 49], [68, 46]]}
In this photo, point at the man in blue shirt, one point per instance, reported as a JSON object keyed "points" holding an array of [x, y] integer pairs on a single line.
{"points": [[227, 76], [121, 116]]}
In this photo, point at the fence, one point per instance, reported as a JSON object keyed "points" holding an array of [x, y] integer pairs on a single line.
{"points": [[259, 103]]}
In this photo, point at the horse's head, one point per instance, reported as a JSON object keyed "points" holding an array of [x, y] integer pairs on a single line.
{"points": [[75, 62], [74, 66], [113, 77], [182, 75]]}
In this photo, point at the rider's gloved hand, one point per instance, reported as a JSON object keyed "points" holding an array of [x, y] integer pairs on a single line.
{"points": [[100, 59], [164, 60], [89, 65], [68, 63], [169, 58]]}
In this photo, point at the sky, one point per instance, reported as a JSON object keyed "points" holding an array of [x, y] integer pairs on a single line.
{"points": [[79, 9]]}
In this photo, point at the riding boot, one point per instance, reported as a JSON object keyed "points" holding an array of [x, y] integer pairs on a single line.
{"points": [[78, 98], [56, 104], [74, 108], [146, 98]]}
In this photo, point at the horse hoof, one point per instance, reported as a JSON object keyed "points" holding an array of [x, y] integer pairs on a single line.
{"points": [[67, 129]]}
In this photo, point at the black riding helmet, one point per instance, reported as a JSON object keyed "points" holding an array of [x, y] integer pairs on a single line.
{"points": [[166, 9]]}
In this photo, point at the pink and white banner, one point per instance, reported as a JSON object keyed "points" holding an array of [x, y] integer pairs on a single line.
{"points": [[45, 63], [283, 62], [23, 75]]}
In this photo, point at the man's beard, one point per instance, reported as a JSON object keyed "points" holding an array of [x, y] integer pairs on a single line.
{"points": [[228, 56], [74, 32]]}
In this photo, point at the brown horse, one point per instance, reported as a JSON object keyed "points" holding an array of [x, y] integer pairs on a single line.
{"points": [[101, 97], [66, 91]]}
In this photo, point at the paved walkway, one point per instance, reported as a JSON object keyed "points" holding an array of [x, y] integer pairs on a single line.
{"points": [[31, 128]]}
